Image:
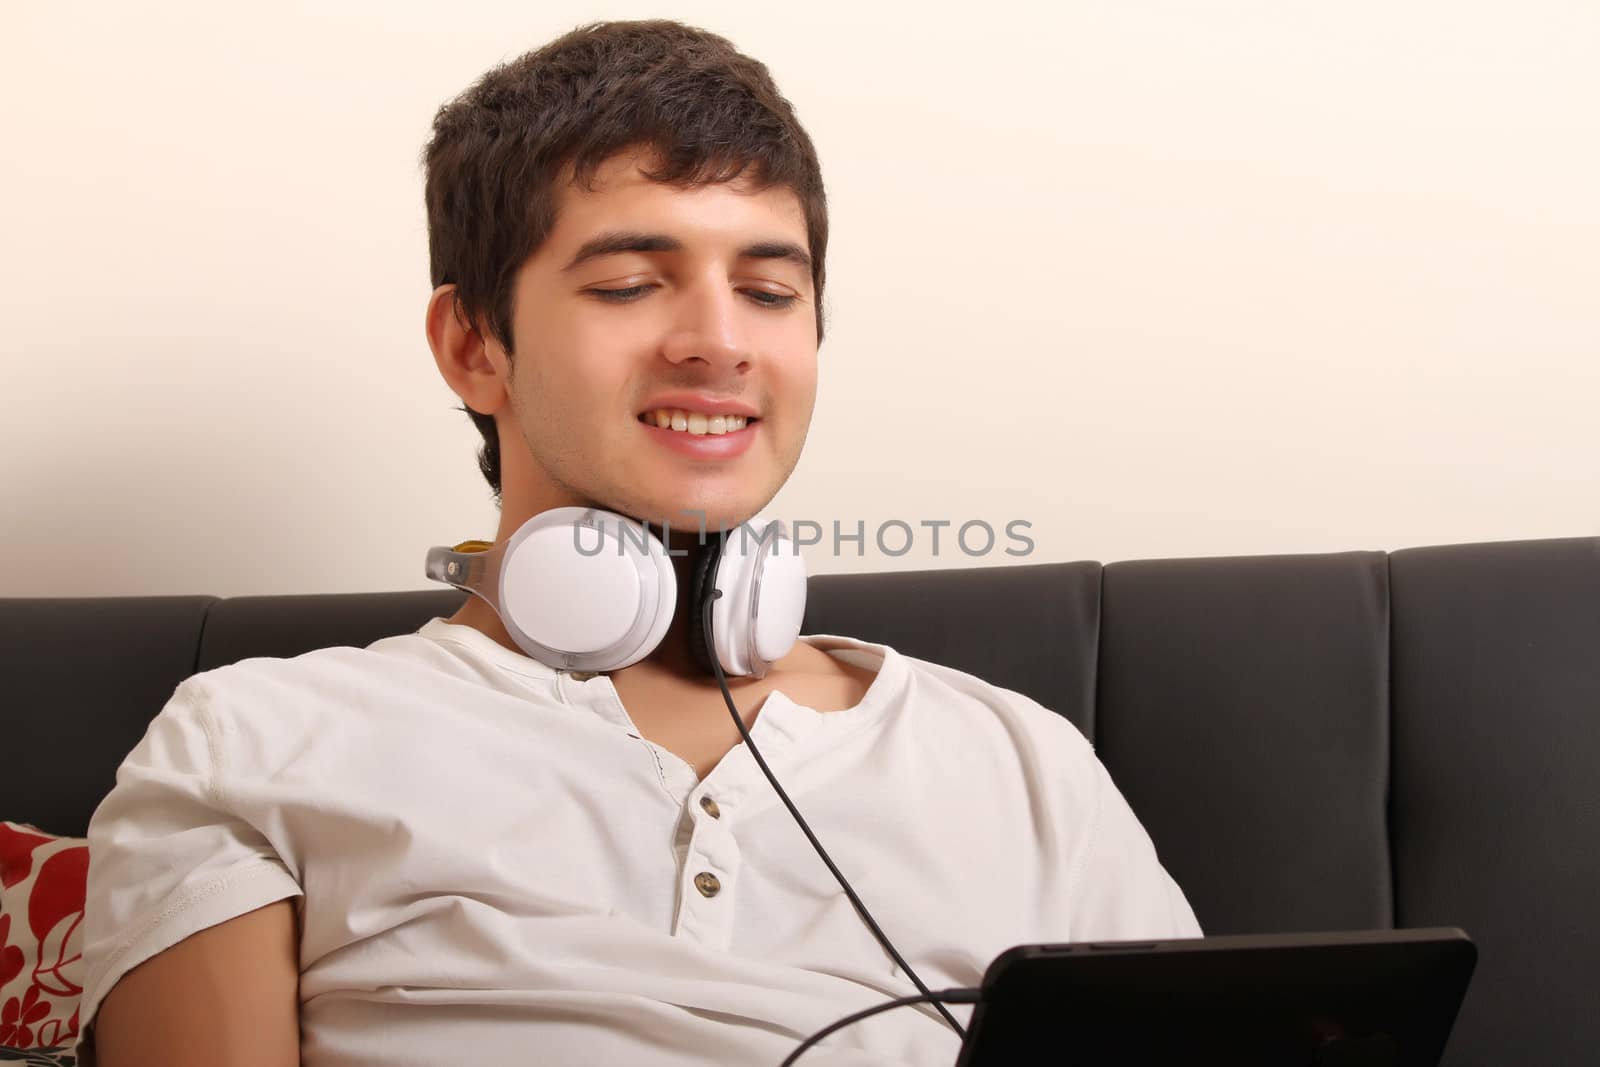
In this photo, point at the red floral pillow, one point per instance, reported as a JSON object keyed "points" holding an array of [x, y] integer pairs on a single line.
{"points": [[42, 880]]}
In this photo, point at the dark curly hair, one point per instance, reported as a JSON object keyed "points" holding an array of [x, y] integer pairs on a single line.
{"points": [[709, 113]]}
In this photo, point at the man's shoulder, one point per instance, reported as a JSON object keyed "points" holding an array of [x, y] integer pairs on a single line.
{"points": [[257, 698], [948, 700], [984, 748], [380, 664], [975, 687]]}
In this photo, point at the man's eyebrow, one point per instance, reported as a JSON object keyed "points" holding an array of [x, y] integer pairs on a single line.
{"points": [[618, 241], [615, 241], [777, 250]]}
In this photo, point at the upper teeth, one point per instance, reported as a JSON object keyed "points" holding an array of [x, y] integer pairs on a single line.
{"points": [[694, 421]]}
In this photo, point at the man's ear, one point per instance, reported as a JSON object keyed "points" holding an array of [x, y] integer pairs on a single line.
{"points": [[473, 364]]}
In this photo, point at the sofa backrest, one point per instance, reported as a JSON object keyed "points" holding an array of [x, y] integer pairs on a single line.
{"points": [[1321, 742]]}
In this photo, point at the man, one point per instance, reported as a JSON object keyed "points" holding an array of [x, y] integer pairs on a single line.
{"points": [[438, 849]]}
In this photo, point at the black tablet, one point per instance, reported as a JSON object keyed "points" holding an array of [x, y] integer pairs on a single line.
{"points": [[1384, 998]]}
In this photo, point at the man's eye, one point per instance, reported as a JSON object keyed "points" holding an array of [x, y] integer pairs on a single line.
{"points": [[621, 296], [634, 292]]}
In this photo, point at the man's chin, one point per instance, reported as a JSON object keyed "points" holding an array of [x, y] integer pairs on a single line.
{"points": [[683, 523], [691, 523]]}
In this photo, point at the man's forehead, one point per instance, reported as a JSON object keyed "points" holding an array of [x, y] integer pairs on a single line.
{"points": [[620, 196]]}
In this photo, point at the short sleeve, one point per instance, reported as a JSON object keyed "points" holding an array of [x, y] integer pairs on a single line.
{"points": [[169, 855], [1121, 892]]}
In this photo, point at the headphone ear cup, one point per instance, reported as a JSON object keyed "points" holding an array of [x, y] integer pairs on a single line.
{"points": [[702, 580], [757, 620], [584, 589]]}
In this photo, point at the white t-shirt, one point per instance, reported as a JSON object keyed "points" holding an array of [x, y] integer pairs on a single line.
{"points": [[495, 867]]}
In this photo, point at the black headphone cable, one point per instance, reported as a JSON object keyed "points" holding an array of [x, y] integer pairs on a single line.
{"points": [[861, 909], [946, 996]]}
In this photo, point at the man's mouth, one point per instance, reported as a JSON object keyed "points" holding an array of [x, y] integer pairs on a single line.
{"points": [[695, 422]]}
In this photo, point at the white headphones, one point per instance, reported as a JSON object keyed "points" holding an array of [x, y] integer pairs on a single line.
{"points": [[590, 590]]}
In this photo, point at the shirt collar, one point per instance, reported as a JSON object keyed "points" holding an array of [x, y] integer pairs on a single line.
{"points": [[889, 664]]}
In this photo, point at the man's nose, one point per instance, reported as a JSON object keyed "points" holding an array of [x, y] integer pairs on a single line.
{"points": [[707, 326]]}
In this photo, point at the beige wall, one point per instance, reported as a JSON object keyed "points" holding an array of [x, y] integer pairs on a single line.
{"points": [[1160, 279]]}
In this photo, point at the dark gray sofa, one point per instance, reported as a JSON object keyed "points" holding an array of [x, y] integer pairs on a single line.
{"points": [[1315, 742]]}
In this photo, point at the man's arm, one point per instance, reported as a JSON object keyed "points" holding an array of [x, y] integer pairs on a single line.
{"points": [[227, 996]]}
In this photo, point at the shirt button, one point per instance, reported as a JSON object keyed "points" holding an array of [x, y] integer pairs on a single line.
{"points": [[707, 883], [710, 807], [583, 676]]}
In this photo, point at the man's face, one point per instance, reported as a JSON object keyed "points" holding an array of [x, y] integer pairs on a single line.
{"points": [[653, 303]]}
